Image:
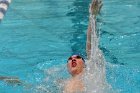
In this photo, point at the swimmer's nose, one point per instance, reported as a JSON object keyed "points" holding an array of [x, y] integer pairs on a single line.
{"points": [[73, 60], [74, 63]]}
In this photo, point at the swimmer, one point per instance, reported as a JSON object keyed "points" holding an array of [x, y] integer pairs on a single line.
{"points": [[76, 67], [76, 64]]}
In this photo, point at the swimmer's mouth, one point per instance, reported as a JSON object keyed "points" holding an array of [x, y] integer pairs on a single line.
{"points": [[74, 64]]}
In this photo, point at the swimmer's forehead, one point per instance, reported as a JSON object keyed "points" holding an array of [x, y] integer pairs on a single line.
{"points": [[74, 55]]}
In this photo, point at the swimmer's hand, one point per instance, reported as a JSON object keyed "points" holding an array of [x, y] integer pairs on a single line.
{"points": [[15, 81], [11, 80], [95, 7]]}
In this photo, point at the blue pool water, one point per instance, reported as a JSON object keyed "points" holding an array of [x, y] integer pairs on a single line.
{"points": [[120, 34], [37, 35]]}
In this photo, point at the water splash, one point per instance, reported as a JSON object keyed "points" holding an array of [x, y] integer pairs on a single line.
{"points": [[54, 80], [95, 72], [95, 78]]}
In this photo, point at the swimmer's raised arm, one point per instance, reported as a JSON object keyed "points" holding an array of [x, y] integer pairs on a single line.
{"points": [[94, 9], [88, 42]]}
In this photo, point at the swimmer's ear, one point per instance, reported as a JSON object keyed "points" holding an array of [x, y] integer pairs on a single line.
{"points": [[85, 66]]}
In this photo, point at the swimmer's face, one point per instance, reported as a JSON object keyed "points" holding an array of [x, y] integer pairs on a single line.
{"points": [[75, 65]]}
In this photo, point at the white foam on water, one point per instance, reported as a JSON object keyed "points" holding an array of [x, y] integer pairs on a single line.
{"points": [[95, 71], [95, 76]]}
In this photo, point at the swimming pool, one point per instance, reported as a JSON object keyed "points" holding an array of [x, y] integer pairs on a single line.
{"points": [[37, 35]]}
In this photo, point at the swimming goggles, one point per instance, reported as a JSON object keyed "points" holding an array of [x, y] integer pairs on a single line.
{"points": [[75, 56]]}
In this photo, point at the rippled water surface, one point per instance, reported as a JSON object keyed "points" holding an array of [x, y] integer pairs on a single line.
{"points": [[120, 34], [36, 35]]}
